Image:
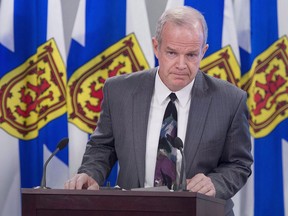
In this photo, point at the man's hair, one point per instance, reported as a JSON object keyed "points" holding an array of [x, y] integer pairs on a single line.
{"points": [[182, 16]]}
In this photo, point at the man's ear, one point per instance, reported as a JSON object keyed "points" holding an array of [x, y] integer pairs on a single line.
{"points": [[155, 46], [205, 48]]}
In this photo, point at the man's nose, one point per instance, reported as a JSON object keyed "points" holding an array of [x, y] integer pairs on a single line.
{"points": [[181, 62]]}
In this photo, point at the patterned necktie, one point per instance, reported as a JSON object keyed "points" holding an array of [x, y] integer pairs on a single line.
{"points": [[165, 171]]}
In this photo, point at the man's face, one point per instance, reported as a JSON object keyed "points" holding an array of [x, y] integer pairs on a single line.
{"points": [[179, 54]]}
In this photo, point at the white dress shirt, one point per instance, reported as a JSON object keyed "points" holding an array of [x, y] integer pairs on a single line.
{"points": [[159, 103]]}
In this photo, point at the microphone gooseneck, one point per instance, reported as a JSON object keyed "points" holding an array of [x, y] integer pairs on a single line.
{"points": [[178, 143], [62, 144]]}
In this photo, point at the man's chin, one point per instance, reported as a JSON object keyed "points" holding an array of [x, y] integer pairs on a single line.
{"points": [[178, 85]]}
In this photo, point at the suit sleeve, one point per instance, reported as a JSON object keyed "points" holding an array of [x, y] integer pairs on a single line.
{"points": [[234, 165], [100, 155]]}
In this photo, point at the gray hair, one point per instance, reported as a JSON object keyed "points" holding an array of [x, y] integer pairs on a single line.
{"points": [[183, 15]]}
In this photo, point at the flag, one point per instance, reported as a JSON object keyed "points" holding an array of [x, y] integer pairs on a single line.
{"points": [[107, 40], [33, 97], [264, 69]]}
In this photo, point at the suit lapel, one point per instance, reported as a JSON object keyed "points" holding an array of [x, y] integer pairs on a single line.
{"points": [[141, 108], [200, 101]]}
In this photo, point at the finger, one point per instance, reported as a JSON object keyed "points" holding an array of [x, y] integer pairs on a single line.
{"points": [[94, 186], [195, 187], [211, 193], [73, 183], [201, 184], [66, 185], [69, 185], [207, 189], [194, 184], [81, 181]]}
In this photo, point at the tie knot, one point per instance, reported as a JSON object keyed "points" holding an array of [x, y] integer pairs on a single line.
{"points": [[172, 97]]}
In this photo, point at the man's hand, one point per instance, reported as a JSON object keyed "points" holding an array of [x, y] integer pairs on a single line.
{"points": [[81, 181], [201, 184]]}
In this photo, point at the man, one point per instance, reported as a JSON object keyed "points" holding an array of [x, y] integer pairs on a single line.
{"points": [[212, 118]]}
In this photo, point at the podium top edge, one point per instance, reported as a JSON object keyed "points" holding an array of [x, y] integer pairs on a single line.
{"points": [[117, 192]]}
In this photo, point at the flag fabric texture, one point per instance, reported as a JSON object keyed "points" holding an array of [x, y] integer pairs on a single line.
{"points": [[107, 40], [33, 97], [264, 68]]}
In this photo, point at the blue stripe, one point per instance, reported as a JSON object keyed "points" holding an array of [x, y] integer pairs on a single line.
{"points": [[31, 152], [31, 156], [42, 15], [264, 25], [105, 25], [264, 31], [269, 192], [24, 36], [213, 13], [246, 61], [30, 18]]}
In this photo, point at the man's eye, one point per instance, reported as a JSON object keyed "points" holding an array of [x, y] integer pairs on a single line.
{"points": [[170, 53], [191, 55]]}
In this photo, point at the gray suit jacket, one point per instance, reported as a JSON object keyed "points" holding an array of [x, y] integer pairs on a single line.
{"points": [[217, 140]]}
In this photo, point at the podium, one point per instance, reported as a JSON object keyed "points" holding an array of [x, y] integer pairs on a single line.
{"points": [[60, 202]]}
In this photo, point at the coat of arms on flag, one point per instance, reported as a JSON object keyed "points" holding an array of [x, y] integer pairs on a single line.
{"points": [[223, 65], [267, 86], [34, 93], [85, 85]]}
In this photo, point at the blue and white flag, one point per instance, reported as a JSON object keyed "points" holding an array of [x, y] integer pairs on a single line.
{"points": [[264, 56], [109, 38], [33, 97]]}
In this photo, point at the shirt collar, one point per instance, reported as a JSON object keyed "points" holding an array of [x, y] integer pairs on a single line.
{"points": [[162, 92]]}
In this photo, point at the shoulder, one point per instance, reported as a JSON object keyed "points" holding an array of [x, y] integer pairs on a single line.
{"points": [[224, 94], [222, 87]]}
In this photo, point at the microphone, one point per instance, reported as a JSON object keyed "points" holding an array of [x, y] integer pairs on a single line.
{"points": [[179, 145], [62, 144]]}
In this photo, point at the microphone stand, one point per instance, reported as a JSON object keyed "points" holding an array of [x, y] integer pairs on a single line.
{"points": [[62, 144], [178, 143], [183, 184], [43, 180]]}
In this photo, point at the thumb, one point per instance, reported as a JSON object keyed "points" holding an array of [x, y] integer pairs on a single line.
{"points": [[93, 187]]}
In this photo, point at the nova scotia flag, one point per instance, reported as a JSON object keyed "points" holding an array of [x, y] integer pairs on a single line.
{"points": [[262, 35], [102, 34], [33, 91]]}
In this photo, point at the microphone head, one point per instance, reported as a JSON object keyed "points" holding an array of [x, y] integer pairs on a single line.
{"points": [[63, 143], [178, 143]]}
